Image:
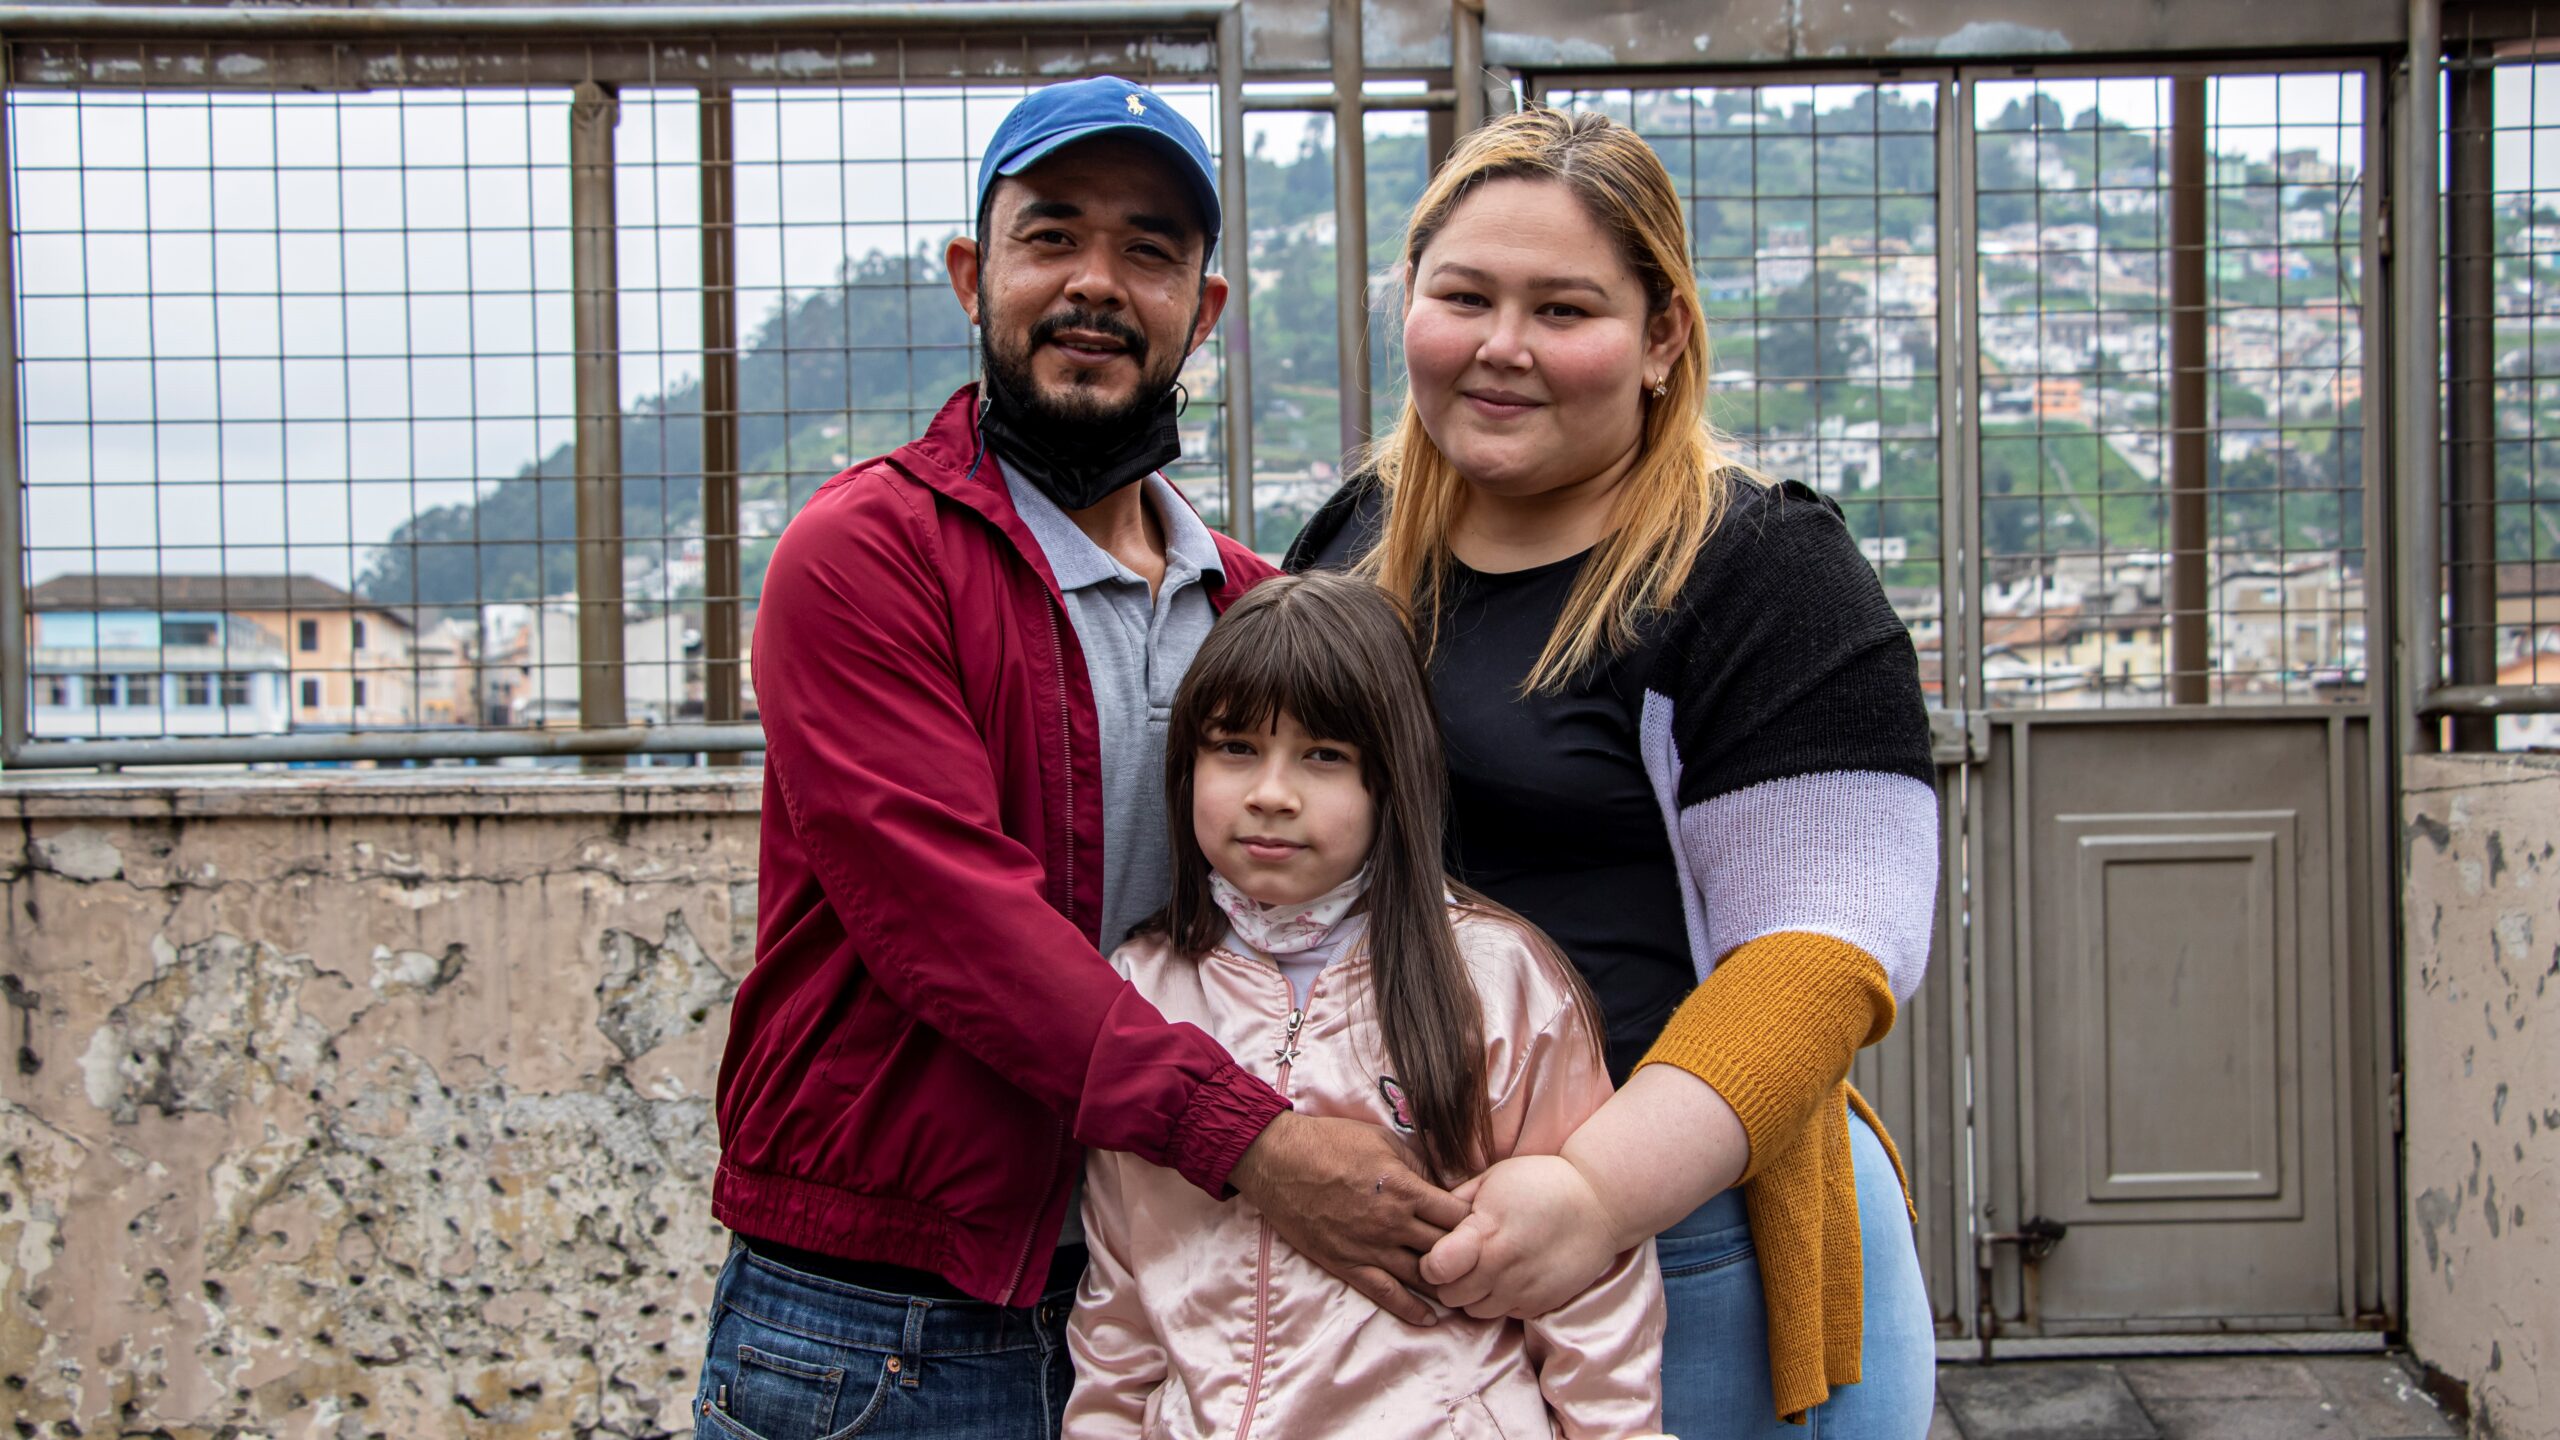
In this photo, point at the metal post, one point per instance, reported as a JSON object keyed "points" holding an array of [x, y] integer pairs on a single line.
{"points": [[2190, 664], [15, 641], [2470, 365], [1959, 454], [723, 577], [593, 112], [1466, 62], [1351, 230], [2415, 411], [1237, 236]]}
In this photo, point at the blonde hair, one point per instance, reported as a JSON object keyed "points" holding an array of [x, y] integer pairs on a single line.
{"points": [[1675, 494]]}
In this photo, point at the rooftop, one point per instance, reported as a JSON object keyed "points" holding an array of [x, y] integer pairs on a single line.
{"points": [[200, 592]]}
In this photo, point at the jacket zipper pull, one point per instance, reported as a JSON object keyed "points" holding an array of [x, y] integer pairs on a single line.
{"points": [[1287, 1054]]}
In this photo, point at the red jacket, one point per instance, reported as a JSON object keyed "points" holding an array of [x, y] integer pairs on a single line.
{"points": [[929, 1036]]}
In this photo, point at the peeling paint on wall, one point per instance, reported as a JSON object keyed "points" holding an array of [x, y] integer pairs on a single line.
{"points": [[392, 1123], [2480, 1066]]}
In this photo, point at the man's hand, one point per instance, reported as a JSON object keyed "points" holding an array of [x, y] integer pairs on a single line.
{"points": [[1537, 1236], [1346, 1196]]}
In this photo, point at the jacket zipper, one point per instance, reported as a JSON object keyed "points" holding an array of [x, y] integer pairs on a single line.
{"points": [[1066, 753], [1286, 1055]]}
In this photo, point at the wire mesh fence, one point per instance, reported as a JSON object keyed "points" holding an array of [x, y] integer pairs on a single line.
{"points": [[299, 372], [259, 334], [299, 369], [1813, 228], [2074, 256], [2507, 627]]}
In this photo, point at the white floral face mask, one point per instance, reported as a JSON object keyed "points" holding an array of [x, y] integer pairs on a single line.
{"points": [[1287, 929]]}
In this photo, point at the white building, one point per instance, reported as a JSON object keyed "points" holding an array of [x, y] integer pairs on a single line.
{"points": [[144, 674], [150, 654]]}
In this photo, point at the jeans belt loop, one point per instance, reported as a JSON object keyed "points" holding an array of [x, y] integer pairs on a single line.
{"points": [[911, 1346]]}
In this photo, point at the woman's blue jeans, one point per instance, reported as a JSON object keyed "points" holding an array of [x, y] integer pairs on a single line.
{"points": [[1715, 1354]]}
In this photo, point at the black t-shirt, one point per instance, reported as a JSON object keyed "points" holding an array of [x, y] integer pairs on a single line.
{"points": [[1551, 812]]}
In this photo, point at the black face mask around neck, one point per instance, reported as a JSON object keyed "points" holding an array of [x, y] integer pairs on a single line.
{"points": [[1077, 464]]}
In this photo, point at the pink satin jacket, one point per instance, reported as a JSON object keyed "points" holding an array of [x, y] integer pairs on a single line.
{"points": [[1196, 1320]]}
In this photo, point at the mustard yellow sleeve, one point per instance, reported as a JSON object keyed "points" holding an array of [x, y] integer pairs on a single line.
{"points": [[1773, 1029]]}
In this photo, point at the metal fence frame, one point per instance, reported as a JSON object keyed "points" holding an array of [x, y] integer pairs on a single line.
{"points": [[605, 737], [2425, 692]]}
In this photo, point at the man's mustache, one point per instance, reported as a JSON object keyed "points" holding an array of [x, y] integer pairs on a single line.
{"points": [[1051, 327]]}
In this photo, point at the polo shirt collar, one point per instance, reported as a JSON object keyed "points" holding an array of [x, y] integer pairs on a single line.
{"points": [[1190, 552]]}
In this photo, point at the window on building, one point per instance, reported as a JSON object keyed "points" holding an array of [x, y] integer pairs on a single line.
{"points": [[235, 688], [310, 692], [102, 689], [53, 689], [308, 635], [190, 632], [195, 689], [358, 640], [359, 685], [141, 692]]}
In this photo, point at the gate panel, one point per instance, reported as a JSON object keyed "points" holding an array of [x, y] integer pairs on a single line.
{"points": [[2169, 382], [2166, 1053]]}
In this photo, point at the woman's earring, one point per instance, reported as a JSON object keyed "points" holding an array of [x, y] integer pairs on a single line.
{"points": [[1662, 387]]}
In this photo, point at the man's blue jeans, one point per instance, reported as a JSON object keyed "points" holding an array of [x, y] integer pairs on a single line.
{"points": [[1715, 1352], [799, 1357]]}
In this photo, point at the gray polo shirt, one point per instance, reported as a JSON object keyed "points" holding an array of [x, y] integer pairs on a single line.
{"points": [[1136, 650]]}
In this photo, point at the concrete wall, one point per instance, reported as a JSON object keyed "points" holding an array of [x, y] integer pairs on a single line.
{"points": [[2481, 1082], [353, 1106], [363, 1107]]}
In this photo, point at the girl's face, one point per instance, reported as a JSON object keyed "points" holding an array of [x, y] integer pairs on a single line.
{"points": [[1528, 341], [1283, 814]]}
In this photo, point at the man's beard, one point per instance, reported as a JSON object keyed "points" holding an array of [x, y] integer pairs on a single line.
{"points": [[1072, 447], [1074, 414]]}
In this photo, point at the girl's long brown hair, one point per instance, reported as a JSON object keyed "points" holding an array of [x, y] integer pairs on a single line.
{"points": [[1334, 653], [1675, 495]]}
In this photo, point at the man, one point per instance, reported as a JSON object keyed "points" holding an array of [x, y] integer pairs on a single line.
{"points": [[965, 654]]}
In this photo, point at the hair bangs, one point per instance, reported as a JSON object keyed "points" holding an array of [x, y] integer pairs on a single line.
{"points": [[1286, 659]]}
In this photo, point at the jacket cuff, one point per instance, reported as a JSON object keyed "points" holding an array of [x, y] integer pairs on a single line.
{"points": [[1228, 1112], [1773, 1028]]}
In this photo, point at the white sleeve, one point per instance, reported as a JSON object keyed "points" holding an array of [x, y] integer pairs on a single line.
{"points": [[1852, 854]]}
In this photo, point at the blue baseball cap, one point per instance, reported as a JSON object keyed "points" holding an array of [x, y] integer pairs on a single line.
{"points": [[1054, 117]]}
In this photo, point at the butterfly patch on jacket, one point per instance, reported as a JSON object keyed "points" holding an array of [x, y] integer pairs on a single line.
{"points": [[1399, 1104]]}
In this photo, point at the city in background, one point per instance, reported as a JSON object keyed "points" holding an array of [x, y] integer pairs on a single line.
{"points": [[297, 391]]}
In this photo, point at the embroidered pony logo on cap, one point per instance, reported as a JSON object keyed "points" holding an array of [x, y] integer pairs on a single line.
{"points": [[1136, 105], [1398, 1104]]}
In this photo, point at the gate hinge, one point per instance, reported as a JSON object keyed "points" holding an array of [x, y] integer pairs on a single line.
{"points": [[2382, 229], [2394, 1101], [1960, 737]]}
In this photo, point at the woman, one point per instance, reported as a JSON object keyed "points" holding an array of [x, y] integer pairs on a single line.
{"points": [[1686, 739]]}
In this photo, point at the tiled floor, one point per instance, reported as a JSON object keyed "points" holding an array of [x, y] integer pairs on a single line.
{"points": [[2272, 1397]]}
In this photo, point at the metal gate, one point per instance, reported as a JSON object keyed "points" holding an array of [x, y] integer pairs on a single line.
{"points": [[2085, 352]]}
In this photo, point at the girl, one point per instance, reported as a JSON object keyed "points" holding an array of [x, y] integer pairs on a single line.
{"points": [[1314, 933]]}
